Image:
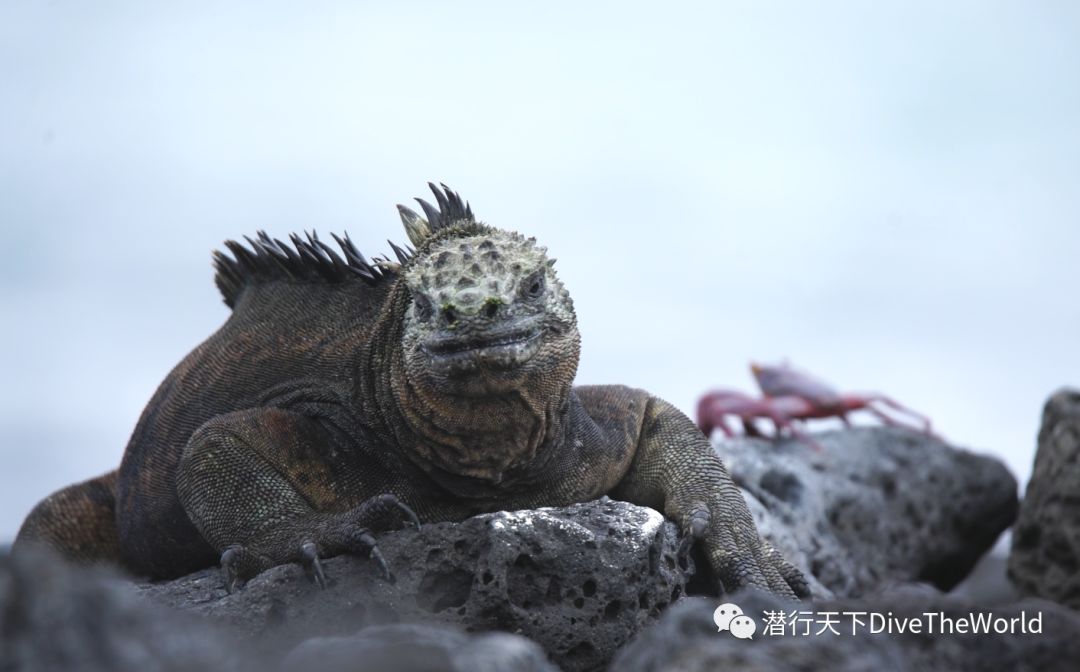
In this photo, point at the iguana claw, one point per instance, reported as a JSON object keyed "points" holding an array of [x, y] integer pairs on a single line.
{"points": [[312, 566], [238, 564], [377, 556], [698, 523], [371, 509], [366, 541], [413, 519]]}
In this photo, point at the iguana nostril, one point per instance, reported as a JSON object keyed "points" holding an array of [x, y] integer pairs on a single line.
{"points": [[491, 307], [449, 315]]}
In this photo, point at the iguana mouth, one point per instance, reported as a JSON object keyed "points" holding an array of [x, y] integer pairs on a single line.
{"points": [[499, 349]]}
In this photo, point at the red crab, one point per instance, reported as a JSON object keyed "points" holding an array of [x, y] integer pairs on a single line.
{"points": [[791, 396]]}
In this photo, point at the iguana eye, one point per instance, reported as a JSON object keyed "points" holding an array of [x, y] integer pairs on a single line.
{"points": [[422, 307], [534, 285]]}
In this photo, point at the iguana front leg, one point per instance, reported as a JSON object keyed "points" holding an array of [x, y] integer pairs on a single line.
{"points": [[257, 486], [676, 470]]}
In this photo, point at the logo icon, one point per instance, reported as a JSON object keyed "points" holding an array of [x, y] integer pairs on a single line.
{"points": [[730, 617], [743, 627]]}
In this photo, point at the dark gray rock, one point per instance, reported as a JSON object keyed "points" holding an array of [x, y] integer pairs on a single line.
{"points": [[423, 648], [877, 506], [57, 617], [686, 640], [580, 581], [1045, 558]]}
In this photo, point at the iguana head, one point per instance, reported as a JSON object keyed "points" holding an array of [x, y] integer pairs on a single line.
{"points": [[488, 313]]}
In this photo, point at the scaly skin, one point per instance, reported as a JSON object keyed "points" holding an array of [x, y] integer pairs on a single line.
{"points": [[343, 397]]}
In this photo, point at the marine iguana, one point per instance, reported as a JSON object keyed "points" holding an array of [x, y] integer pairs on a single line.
{"points": [[342, 394]]}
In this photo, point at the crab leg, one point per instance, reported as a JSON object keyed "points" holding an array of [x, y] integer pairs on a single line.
{"points": [[784, 411], [889, 420], [797, 433], [866, 399]]}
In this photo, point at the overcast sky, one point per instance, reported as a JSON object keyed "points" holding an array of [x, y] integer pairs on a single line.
{"points": [[887, 194]]}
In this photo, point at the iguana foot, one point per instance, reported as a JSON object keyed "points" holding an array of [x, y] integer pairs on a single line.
{"points": [[738, 556], [307, 539]]}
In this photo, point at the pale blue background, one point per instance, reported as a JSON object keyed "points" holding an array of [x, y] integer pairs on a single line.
{"points": [[886, 193]]}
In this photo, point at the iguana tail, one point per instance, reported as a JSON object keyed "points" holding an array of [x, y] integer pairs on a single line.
{"points": [[78, 522]]}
